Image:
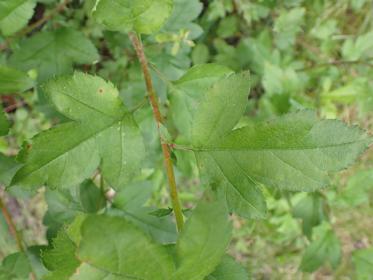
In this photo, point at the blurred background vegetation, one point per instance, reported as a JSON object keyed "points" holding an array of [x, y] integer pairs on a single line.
{"points": [[314, 54]]}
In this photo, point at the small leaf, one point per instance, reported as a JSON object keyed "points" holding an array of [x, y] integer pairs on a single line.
{"points": [[116, 246], [204, 239], [161, 212], [311, 210], [325, 248], [14, 81], [101, 130], [91, 197], [54, 53], [16, 15], [142, 16], [61, 260]]}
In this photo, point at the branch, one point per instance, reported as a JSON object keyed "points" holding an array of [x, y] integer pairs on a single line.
{"points": [[11, 226], [28, 29], [159, 120]]}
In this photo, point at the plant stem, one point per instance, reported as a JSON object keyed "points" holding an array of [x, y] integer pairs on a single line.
{"points": [[159, 120], [11, 226]]}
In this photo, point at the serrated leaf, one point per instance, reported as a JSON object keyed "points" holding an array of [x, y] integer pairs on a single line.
{"points": [[16, 15], [294, 152], [311, 210], [203, 240], [116, 246], [101, 130], [228, 269], [54, 53], [363, 262], [4, 123], [142, 16], [14, 81], [325, 248], [60, 259], [89, 272]]}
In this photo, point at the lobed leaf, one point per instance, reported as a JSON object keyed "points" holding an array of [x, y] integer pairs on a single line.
{"points": [[101, 132]]}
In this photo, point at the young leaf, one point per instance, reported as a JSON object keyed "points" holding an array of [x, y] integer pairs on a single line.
{"points": [[16, 15], [54, 52], [228, 269], [61, 260], [311, 210], [91, 197], [325, 248], [204, 239], [116, 246], [101, 130], [4, 123], [141, 16], [13, 81]]}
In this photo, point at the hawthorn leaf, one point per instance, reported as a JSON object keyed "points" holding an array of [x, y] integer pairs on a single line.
{"points": [[101, 133], [182, 17], [16, 15], [229, 269], [15, 267], [141, 16], [89, 272], [4, 123], [325, 248], [363, 262], [117, 246], [61, 259], [8, 167], [294, 152], [12, 80], [188, 91], [54, 53], [204, 239]]}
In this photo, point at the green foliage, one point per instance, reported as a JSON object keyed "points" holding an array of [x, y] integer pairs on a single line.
{"points": [[144, 16], [248, 92], [12, 80], [98, 118]]}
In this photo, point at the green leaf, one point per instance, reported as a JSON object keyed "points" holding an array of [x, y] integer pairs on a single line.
{"points": [[116, 246], [359, 48], [15, 16], [142, 16], [101, 130], [15, 267], [54, 53], [61, 260], [183, 14], [8, 167], [13, 81], [363, 262], [228, 269], [4, 123], [204, 239], [311, 210], [325, 248], [89, 272], [357, 190], [287, 26], [91, 197], [294, 152], [188, 92], [161, 212]]}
